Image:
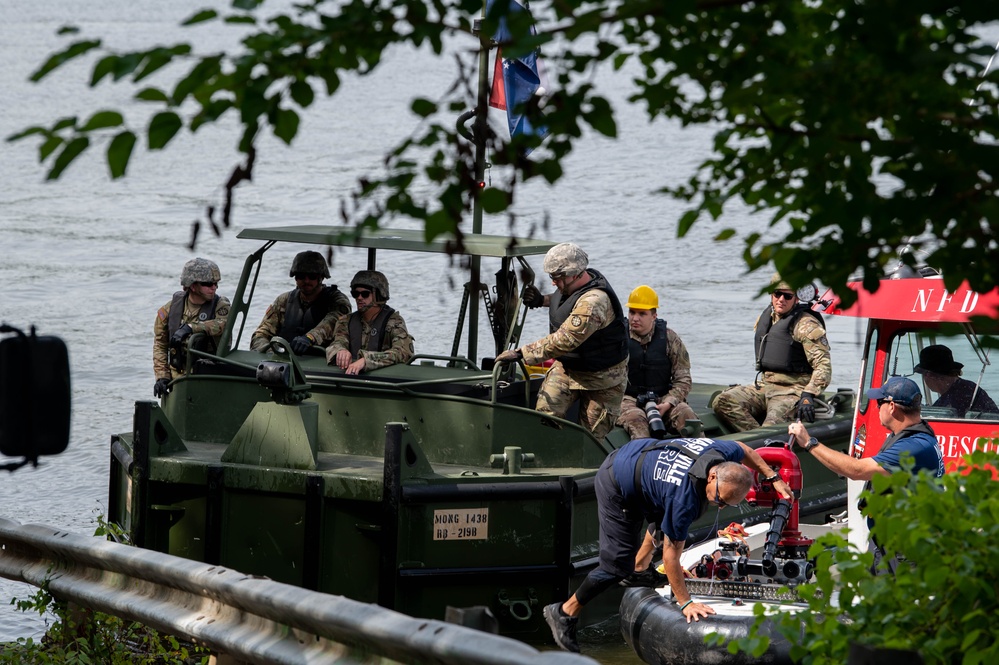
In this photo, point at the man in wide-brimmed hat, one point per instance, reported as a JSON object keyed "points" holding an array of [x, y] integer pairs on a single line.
{"points": [[942, 376]]}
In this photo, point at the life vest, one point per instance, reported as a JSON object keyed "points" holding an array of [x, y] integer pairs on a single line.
{"points": [[605, 347], [376, 336], [298, 321], [776, 350], [650, 367], [205, 313]]}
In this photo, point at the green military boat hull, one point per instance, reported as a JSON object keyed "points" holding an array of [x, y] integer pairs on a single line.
{"points": [[417, 487]]}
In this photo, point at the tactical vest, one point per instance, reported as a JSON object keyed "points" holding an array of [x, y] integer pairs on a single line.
{"points": [[650, 367], [206, 313], [776, 350], [376, 337], [605, 347], [299, 320]]}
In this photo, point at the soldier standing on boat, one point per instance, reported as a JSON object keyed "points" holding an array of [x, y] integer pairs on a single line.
{"points": [[195, 309], [375, 335], [658, 363], [589, 341], [792, 354], [306, 315]]}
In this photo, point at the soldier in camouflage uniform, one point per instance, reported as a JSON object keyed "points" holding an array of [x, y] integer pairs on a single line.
{"points": [[195, 309], [657, 363], [375, 335], [589, 341], [792, 352], [304, 316]]}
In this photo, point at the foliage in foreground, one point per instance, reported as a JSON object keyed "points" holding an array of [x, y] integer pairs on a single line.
{"points": [[944, 607], [83, 637], [851, 126]]}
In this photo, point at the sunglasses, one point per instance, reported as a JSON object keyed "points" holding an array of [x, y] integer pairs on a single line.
{"points": [[718, 500], [882, 402], [314, 276], [783, 294], [359, 293], [207, 284]]}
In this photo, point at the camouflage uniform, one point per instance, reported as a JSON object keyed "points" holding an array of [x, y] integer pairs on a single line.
{"points": [[775, 398], [397, 345], [274, 319], [161, 333], [633, 419], [599, 392]]}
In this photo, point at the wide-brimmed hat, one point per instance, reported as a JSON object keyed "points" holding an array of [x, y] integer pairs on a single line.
{"points": [[938, 359], [898, 389]]}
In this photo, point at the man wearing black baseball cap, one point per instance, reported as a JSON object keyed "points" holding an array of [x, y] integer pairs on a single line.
{"points": [[898, 401]]}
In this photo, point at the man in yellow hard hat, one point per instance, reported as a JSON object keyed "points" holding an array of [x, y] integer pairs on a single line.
{"points": [[658, 369]]}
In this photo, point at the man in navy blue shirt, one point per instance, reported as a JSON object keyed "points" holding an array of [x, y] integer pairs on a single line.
{"points": [[899, 408], [668, 484]]}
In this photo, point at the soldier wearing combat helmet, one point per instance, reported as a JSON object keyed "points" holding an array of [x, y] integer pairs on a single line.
{"points": [[375, 335], [793, 364], [588, 340], [304, 316], [195, 309], [658, 365]]}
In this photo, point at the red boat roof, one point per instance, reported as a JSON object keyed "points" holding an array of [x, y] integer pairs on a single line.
{"points": [[917, 299]]}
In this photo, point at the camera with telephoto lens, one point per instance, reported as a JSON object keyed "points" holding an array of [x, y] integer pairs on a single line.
{"points": [[647, 401]]}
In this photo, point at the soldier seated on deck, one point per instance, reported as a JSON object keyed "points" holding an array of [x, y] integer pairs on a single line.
{"points": [[375, 335]]}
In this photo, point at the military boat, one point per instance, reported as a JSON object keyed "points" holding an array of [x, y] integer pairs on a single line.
{"points": [[417, 486]]}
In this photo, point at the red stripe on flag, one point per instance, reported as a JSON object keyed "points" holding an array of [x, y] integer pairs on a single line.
{"points": [[497, 96]]}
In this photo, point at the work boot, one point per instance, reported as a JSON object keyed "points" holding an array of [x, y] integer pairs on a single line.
{"points": [[563, 627]]}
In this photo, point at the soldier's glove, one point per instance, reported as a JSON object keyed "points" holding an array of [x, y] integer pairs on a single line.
{"points": [[509, 356], [806, 408], [532, 297], [182, 333], [301, 344], [161, 387]]}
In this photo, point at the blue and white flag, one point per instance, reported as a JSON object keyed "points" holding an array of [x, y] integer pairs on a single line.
{"points": [[516, 80]]}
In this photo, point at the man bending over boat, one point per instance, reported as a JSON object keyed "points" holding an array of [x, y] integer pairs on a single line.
{"points": [[899, 409], [792, 353], [375, 335], [588, 340], [306, 315], [669, 484]]}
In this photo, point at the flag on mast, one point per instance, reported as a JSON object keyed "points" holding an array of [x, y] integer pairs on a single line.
{"points": [[516, 80]]}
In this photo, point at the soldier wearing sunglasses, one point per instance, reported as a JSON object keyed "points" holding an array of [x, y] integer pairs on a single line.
{"points": [[793, 366], [375, 335]]}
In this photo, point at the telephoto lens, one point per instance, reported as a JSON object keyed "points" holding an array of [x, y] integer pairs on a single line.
{"points": [[657, 428]]}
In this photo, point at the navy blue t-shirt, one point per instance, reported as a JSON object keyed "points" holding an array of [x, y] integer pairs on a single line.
{"points": [[923, 448], [670, 494]]}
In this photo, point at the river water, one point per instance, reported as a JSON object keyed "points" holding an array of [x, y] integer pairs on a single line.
{"points": [[90, 260]]}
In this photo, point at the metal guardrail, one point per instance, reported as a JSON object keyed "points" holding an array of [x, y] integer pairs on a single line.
{"points": [[252, 619]]}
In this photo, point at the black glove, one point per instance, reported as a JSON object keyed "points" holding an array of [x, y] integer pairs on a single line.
{"points": [[182, 333], [301, 344], [806, 407], [532, 297], [161, 387]]}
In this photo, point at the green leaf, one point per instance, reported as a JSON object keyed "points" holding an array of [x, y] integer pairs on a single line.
{"points": [[686, 221], [102, 120], [152, 95], [67, 30], [724, 235], [423, 107], [55, 60], [162, 129], [247, 4], [302, 93], [103, 67], [241, 20], [285, 124], [70, 152], [201, 17], [494, 200], [49, 146], [119, 152], [26, 132]]}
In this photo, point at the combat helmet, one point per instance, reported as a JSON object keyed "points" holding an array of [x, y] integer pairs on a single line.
{"points": [[373, 280], [199, 270], [643, 297], [309, 262], [565, 259]]}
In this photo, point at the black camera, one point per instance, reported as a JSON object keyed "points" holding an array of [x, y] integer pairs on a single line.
{"points": [[647, 401]]}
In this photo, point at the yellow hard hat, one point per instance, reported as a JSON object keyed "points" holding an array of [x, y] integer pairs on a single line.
{"points": [[643, 297]]}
